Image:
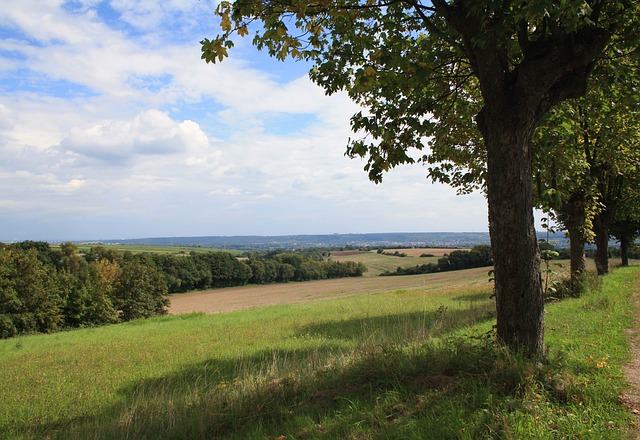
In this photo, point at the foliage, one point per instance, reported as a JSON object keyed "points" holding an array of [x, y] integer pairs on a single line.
{"points": [[395, 254], [633, 253], [140, 292], [413, 68], [43, 291], [593, 179], [30, 298]]}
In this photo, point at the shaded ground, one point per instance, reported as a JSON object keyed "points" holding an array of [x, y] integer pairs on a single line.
{"points": [[238, 298]]}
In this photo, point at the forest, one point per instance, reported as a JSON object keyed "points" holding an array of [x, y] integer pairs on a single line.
{"points": [[43, 290]]}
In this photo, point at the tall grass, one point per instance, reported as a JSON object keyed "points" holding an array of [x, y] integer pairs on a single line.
{"points": [[387, 366]]}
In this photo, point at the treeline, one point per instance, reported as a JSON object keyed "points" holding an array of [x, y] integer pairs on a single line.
{"points": [[199, 271], [44, 289], [289, 266], [478, 256]]}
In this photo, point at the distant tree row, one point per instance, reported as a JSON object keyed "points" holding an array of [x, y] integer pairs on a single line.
{"points": [[44, 290], [291, 266], [478, 256], [199, 271]]}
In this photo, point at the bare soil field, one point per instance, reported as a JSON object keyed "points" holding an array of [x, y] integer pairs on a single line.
{"points": [[238, 298]]}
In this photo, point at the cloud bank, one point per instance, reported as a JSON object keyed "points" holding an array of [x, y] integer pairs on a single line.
{"points": [[112, 126]]}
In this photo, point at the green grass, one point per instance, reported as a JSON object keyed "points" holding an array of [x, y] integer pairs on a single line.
{"points": [[404, 364]]}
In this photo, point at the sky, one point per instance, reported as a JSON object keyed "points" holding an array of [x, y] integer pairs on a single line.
{"points": [[111, 126]]}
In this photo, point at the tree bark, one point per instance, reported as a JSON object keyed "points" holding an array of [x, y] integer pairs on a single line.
{"points": [[578, 263], [575, 221], [519, 294], [601, 231], [624, 249]]}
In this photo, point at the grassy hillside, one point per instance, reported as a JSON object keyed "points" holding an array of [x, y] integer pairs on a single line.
{"points": [[403, 364]]}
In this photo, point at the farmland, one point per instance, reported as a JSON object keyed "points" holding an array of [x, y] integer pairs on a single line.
{"points": [[238, 298]]}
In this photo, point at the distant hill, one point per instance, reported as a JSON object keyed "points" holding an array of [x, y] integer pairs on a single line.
{"points": [[385, 239]]}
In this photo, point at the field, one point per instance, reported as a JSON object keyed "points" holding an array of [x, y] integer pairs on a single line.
{"points": [[378, 263], [412, 361]]}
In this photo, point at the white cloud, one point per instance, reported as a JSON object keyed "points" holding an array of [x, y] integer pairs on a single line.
{"points": [[149, 133], [6, 118], [111, 125]]}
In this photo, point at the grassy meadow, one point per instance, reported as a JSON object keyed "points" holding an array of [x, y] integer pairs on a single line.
{"points": [[409, 363]]}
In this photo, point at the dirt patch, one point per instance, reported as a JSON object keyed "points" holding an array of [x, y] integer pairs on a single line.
{"points": [[238, 298], [631, 397]]}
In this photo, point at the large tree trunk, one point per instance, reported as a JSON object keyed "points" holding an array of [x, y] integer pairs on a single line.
{"points": [[519, 295], [624, 249], [575, 223], [515, 98], [578, 263], [601, 231]]}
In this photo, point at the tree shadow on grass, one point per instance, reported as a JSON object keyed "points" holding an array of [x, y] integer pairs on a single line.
{"points": [[369, 390], [405, 326], [473, 298]]}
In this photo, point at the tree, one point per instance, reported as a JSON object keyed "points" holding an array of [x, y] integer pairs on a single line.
{"points": [[103, 278], [625, 224], [140, 292], [626, 230], [593, 178], [613, 116], [419, 69], [562, 186], [29, 295]]}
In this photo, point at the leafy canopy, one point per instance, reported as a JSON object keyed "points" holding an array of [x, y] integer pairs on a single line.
{"points": [[591, 145], [412, 65]]}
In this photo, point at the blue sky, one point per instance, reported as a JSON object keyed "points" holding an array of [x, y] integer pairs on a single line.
{"points": [[111, 126]]}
